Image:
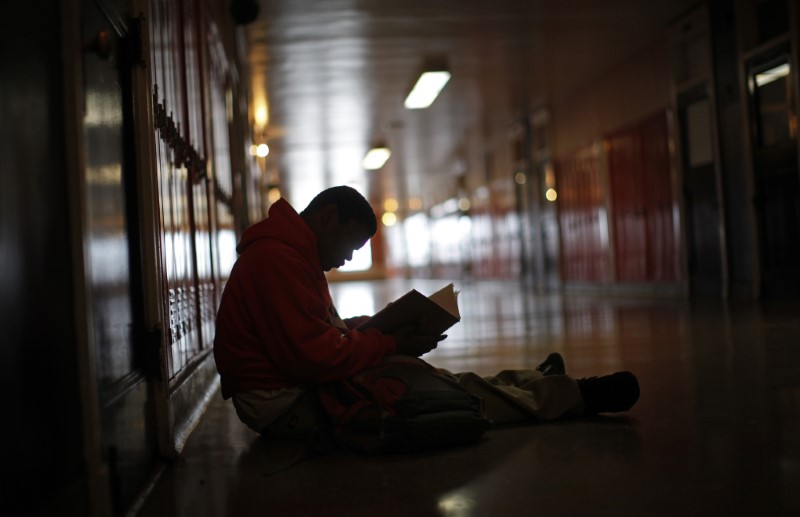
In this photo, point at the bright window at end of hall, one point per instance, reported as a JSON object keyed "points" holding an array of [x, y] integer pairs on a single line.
{"points": [[362, 259]]}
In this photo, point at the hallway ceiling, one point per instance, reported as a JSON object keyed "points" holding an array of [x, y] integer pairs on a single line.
{"points": [[334, 73]]}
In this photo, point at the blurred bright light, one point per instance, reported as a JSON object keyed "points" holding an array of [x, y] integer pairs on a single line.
{"points": [[389, 219], [448, 235], [456, 505], [253, 150], [427, 89], [551, 194], [226, 242], [417, 240], [390, 204], [773, 74], [261, 116], [375, 158], [273, 194], [355, 298], [262, 150]]}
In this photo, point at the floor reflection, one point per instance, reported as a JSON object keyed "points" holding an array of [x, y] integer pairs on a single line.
{"points": [[716, 430]]}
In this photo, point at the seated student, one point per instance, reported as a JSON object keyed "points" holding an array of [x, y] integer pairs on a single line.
{"points": [[278, 333]]}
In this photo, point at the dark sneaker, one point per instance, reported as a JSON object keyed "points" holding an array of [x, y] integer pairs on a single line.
{"points": [[609, 393], [553, 365]]}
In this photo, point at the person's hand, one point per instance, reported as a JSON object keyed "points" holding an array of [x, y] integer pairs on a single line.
{"points": [[408, 341], [356, 321]]}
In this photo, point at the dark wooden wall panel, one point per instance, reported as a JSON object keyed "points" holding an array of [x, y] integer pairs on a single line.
{"points": [[43, 465]]}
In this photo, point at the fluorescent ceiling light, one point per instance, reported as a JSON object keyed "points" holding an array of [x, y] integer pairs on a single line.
{"points": [[773, 74], [375, 158], [427, 88]]}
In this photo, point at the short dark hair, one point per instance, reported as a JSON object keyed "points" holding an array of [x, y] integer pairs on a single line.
{"points": [[350, 204]]}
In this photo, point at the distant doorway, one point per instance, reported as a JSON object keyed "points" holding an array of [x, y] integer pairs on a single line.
{"points": [[776, 184]]}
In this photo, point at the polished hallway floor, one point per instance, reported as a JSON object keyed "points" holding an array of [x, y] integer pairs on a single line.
{"points": [[715, 432]]}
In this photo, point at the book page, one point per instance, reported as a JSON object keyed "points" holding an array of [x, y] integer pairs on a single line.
{"points": [[447, 298], [433, 314]]}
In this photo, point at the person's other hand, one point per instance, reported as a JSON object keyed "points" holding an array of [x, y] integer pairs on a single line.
{"points": [[408, 341]]}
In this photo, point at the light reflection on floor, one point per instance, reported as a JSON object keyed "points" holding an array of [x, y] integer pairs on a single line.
{"points": [[716, 430], [503, 327]]}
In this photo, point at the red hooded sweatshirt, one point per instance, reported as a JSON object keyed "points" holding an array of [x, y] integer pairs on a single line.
{"points": [[276, 324]]}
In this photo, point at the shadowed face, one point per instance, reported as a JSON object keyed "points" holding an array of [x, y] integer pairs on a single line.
{"points": [[336, 241]]}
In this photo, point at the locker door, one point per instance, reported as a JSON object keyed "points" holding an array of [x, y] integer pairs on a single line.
{"points": [[223, 253], [642, 202], [660, 205], [626, 179], [113, 266], [195, 33], [175, 186], [584, 246]]}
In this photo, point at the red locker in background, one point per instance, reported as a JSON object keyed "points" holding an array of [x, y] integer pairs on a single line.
{"points": [[642, 202], [662, 253], [584, 246], [626, 178]]}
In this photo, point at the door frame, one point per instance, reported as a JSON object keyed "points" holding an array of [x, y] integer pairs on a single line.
{"points": [[767, 52], [702, 90]]}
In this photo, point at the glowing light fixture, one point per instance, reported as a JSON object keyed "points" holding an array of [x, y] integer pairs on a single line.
{"points": [[273, 194], [390, 204], [389, 219], [551, 194], [376, 157], [773, 74], [253, 150], [427, 89], [261, 116], [262, 150]]}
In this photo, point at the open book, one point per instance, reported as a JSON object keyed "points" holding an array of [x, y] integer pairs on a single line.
{"points": [[434, 314]]}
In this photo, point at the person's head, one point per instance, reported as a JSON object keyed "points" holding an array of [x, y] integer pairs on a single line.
{"points": [[343, 221]]}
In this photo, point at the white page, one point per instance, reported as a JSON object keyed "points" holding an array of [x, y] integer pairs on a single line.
{"points": [[447, 298]]}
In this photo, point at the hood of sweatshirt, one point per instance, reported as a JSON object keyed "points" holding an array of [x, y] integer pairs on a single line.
{"points": [[284, 224]]}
